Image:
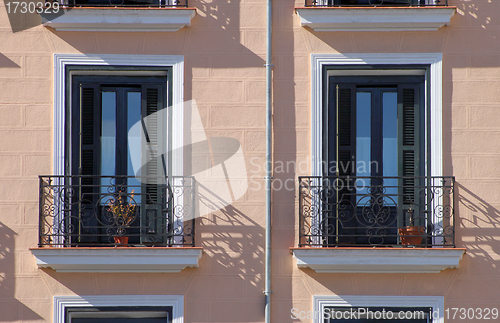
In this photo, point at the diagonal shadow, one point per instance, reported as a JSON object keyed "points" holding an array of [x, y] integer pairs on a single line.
{"points": [[6, 62], [478, 229]]}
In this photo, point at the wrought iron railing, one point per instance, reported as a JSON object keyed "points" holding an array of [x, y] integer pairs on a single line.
{"points": [[375, 3], [121, 3], [84, 211], [376, 211]]}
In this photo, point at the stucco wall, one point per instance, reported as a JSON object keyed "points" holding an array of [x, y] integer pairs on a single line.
{"points": [[224, 52]]}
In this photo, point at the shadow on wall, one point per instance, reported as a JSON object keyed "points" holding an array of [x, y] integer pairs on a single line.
{"points": [[6, 62], [21, 16], [230, 229], [233, 245], [478, 229], [10, 308], [215, 29], [479, 12]]}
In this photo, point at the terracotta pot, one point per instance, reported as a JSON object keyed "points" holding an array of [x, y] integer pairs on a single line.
{"points": [[121, 241], [411, 235]]}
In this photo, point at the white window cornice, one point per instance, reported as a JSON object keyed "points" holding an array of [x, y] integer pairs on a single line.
{"points": [[63, 302], [375, 18]]}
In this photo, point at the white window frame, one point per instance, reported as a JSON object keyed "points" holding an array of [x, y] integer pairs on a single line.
{"points": [[433, 98], [434, 60], [61, 61], [63, 302], [175, 62], [436, 303]]}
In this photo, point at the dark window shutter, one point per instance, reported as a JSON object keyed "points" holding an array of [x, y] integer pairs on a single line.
{"points": [[408, 142], [345, 153], [155, 133], [89, 129], [337, 223], [155, 167], [88, 114]]}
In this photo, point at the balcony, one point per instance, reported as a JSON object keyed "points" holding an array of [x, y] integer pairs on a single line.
{"points": [[375, 15], [116, 223], [363, 224], [117, 15]]}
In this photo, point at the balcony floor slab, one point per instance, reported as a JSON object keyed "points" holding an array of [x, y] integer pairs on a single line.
{"points": [[119, 19], [119, 259], [375, 18], [378, 260]]}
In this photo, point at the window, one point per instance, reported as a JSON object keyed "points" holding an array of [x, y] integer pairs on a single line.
{"points": [[119, 308], [376, 144], [114, 177], [107, 118], [374, 137], [56, 229], [317, 203], [131, 314]]}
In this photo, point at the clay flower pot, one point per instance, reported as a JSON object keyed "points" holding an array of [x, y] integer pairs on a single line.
{"points": [[411, 235], [121, 241]]}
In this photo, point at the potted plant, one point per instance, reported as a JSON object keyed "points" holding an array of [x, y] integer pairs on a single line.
{"points": [[123, 213], [412, 234]]}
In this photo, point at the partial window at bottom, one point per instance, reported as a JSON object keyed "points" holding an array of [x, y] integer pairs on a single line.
{"points": [[119, 314]]}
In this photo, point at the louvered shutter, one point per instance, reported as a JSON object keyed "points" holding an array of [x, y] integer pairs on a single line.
{"points": [[346, 129], [155, 161], [408, 146], [88, 114], [338, 217]]}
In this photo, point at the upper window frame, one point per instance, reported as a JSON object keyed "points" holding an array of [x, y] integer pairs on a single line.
{"points": [[131, 64], [379, 63], [63, 303]]}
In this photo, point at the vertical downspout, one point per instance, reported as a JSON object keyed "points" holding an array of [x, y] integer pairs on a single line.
{"points": [[267, 288]]}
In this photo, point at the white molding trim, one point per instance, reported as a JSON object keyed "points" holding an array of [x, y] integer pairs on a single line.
{"points": [[318, 61], [63, 302], [119, 19], [378, 260], [176, 62], [118, 260], [320, 302], [375, 19]]}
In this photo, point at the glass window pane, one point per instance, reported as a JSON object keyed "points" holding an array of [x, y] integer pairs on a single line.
{"points": [[363, 140], [134, 150], [108, 134], [390, 143], [363, 133]]}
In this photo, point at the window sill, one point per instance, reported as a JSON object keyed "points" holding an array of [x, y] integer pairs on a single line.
{"points": [[136, 260], [120, 19], [378, 260], [376, 18]]}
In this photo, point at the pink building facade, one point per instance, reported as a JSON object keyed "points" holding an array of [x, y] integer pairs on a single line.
{"points": [[147, 121]]}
